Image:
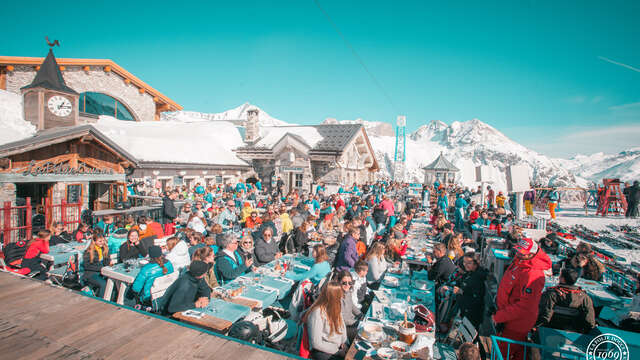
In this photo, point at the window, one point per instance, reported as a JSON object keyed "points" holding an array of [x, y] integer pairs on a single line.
{"points": [[298, 180], [218, 179], [103, 104]]}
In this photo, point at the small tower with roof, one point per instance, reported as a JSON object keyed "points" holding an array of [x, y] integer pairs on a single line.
{"points": [[441, 169]]}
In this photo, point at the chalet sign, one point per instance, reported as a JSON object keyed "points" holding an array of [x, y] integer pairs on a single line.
{"points": [[51, 168], [291, 169]]}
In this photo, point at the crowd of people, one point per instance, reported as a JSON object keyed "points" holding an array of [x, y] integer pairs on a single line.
{"points": [[222, 232]]}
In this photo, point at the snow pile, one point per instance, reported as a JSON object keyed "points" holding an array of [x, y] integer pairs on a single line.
{"points": [[175, 142], [270, 135], [13, 127], [469, 144], [624, 165], [235, 115]]}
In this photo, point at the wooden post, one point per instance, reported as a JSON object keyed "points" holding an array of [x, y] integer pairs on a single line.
{"points": [[47, 212], [29, 218], [7, 222]]}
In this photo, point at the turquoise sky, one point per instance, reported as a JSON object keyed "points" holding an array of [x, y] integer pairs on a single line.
{"points": [[535, 70]]}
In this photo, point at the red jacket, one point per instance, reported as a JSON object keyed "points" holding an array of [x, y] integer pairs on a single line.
{"points": [[520, 291], [37, 247]]}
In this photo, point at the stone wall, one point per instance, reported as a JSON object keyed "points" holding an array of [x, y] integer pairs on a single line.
{"points": [[7, 193], [96, 79]]}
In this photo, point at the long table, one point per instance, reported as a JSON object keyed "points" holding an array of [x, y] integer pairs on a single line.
{"points": [[59, 254], [121, 276], [596, 290]]}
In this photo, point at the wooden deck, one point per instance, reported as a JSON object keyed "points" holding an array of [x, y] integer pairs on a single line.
{"points": [[40, 321]]}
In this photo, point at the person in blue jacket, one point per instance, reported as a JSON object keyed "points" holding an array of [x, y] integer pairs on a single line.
{"points": [[240, 186], [318, 270], [229, 263], [106, 225], [258, 184], [158, 266], [443, 203], [321, 188], [199, 189], [460, 205]]}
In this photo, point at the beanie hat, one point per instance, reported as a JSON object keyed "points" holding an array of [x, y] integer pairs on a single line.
{"points": [[155, 251], [198, 268], [526, 246]]}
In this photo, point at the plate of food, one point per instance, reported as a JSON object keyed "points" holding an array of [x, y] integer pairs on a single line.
{"points": [[421, 285], [371, 332], [391, 281], [386, 353], [400, 346]]}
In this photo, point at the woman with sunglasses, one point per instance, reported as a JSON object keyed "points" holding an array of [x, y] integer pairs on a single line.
{"points": [[246, 248], [350, 312]]}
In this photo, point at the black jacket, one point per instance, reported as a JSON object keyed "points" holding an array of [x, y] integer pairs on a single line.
{"points": [[471, 301], [131, 252], [63, 238], [379, 216], [169, 211], [300, 240], [183, 293], [265, 252], [95, 267], [567, 296], [441, 270]]}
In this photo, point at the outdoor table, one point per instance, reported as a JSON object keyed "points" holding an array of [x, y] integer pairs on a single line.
{"points": [[576, 342], [252, 291], [616, 312], [379, 311], [596, 290], [117, 274], [59, 254], [219, 315]]}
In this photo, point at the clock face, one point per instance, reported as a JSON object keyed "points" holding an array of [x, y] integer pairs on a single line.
{"points": [[59, 106]]}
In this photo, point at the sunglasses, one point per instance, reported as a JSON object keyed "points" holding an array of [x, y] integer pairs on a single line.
{"points": [[347, 283], [247, 243]]}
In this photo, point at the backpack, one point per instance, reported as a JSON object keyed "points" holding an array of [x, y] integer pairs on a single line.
{"points": [[14, 253]]}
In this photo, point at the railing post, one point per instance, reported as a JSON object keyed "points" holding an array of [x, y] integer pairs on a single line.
{"points": [[29, 219], [7, 222], [63, 212]]}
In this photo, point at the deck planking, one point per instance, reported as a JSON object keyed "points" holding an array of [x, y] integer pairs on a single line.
{"points": [[42, 321]]}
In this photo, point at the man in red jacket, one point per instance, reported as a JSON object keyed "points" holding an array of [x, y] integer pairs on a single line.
{"points": [[519, 294]]}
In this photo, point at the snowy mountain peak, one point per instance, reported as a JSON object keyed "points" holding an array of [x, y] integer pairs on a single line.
{"points": [[236, 115]]}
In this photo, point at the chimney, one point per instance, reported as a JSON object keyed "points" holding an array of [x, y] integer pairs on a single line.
{"points": [[252, 129]]}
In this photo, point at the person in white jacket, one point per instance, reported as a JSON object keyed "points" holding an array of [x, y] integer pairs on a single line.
{"points": [[178, 253], [377, 263], [325, 326]]}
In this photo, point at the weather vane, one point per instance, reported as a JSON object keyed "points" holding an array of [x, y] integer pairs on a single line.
{"points": [[52, 44]]}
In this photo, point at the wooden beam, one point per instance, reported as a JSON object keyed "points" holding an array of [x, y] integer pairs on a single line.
{"points": [[107, 68], [86, 139], [86, 68], [37, 67], [62, 68], [141, 90], [10, 68], [127, 81]]}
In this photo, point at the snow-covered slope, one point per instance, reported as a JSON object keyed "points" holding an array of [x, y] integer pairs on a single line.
{"points": [[624, 165], [13, 127], [469, 144], [235, 115]]}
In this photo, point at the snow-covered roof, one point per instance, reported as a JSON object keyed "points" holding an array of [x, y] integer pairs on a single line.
{"points": [[208, 143], [441, 163], [13, 127], [326, 137]]}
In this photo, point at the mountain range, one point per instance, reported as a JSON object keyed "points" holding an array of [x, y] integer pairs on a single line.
{"points": [[466, 144]]}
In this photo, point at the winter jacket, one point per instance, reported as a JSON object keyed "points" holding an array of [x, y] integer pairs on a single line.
{"points": [[300, 240], [554, 197], [347, 254], [519, 292], [350, 311], [93, 267], [320, 337], [228, 268], [377, 267], [179, 256], [183, 293], [147, 275], [226, 219], [169, 211], [128, 251], [106, 229], [265, 252], [36, 248], [116, 239], [593, 270], [441, 270], [317, 272], [529, 195], [471, 301], [568, 296]]}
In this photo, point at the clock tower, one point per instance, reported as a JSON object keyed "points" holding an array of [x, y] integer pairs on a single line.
{"points": [[48, 101]]}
